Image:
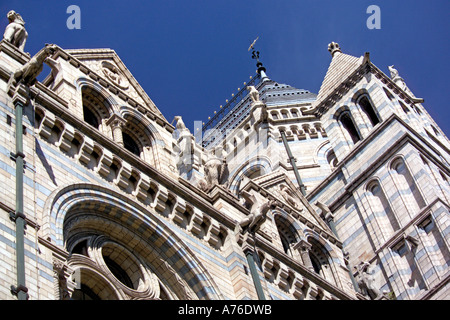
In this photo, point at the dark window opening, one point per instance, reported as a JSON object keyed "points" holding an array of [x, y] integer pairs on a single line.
{"points": [[369, 110], [348, 124], [315, 263], [118, 272], [81, 248], [84, 293], [90, 117], [130, 144]]}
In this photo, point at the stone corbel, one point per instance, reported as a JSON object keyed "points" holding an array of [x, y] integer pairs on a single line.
{"points": [[301, 134], [298, 288], [161, 199], [104, 166], [313, 291], [196, 222], [47, 125], [268, 266], [313, 132], [142, 188], [135, 190], [179, 210], [86, 150], [282, 277], [65, 143], [20, 94], [124, 175], [213, 233]]}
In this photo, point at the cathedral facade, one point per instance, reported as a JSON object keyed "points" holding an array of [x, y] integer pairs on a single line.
{"points": [[284, 194]]}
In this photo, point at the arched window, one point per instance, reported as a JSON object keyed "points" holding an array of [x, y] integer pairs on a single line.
{"points": [[368, 108], [347, 122], [287, 233], [320, 260], [434, 244], [118, 272], [95, 107], [406, 186], [381, 209], [106, 270], [408, 272]]}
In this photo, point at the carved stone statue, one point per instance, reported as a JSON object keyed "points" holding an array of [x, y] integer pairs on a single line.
{"points": [[29, 71], [15, 32], [215, 170], [180, 123], [366, 282], [288, 196], [258, 215], [393, 71], [254, 94]]}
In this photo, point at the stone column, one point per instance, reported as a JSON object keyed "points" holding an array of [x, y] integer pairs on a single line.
{"points": [[303, 248], [116, 123]]}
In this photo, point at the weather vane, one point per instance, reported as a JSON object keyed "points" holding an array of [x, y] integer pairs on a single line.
{"points": [[255, 54]]}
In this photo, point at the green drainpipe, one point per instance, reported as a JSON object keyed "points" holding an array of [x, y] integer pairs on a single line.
{"points": [[292, 160], [19, 217], [255, 275]]}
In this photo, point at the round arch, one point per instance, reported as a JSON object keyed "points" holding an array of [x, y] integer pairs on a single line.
{"points": [[257, 166], [323, 256], [142, 122], [288, 229], [86, 83], [90, 209], [144, 134]]}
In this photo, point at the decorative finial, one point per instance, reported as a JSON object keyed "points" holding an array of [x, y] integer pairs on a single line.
{"points": [[255, 55], [333, 47]]}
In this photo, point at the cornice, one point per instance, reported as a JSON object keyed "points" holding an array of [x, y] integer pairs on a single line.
{"points": [[13, 52]]}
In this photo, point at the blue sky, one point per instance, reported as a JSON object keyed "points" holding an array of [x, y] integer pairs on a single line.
{"points": [[190, 56]]}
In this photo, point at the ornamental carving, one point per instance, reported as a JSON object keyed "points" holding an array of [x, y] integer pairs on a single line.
{"points": [[113, 74]]}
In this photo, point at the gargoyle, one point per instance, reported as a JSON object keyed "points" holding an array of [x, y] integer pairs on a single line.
{"points": [[215, 170], [258, 215], [366, 282], [28, 73]]}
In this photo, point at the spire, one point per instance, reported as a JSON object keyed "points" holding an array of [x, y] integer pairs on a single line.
{"points": [[261, 70], [341, 66]]}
